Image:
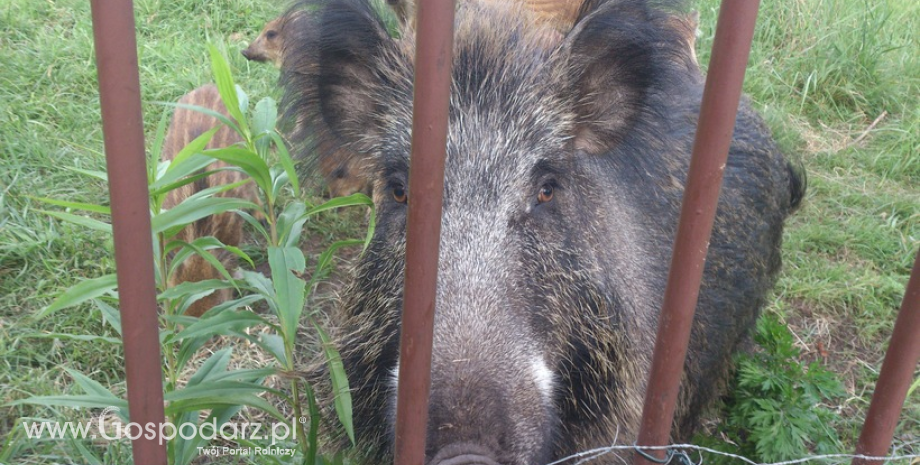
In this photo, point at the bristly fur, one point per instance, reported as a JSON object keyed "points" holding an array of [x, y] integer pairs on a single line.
{"points": [[566, 158], [227, 227], [346, 41]]}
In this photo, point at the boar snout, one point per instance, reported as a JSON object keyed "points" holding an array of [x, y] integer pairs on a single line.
{"points": [[463, 454], [494, 408], [252, 56]]}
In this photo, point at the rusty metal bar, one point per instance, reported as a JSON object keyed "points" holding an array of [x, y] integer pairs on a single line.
{"points": [[123, 131], [433, 57], [897, 372], [730, 49]]}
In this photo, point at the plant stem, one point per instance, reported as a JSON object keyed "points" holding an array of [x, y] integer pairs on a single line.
{"points": [[169, 309], [273, 220], [309, 454]]}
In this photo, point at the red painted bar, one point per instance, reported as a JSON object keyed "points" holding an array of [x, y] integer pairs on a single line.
{"points": [[897, 373], [434, 47], [123, 131], [721, 96]]}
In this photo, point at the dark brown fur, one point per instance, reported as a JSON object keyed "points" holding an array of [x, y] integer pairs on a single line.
{"points": [[547, 304], [339, 168], [186, 125]]}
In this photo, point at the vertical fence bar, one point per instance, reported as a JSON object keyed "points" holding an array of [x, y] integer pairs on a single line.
{"points": [[123, 132], [433, 57], [721, 96], [897, 372]]}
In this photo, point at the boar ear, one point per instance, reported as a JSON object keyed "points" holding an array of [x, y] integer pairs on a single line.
{"points": [[610, 68], [329, 71]]}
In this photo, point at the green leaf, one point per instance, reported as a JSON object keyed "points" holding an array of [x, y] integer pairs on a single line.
{"points": [[339, 383], [290, 224], [75, 401], [207, 111], [260, 283], [263, 123], [189, 212], [90, 386], [87, 455], [171, 176], [256, 224], [188, 349], [78, 205], [157, 148], [290, 291], [74, 337], [339, 202], [251, 375], [244, 301], [197, 145], [81, 220], [110, 314], [248, 161], [205, 255], [221, 323], [187, 293], [200, 246], [273, 344], [216, 190], [358, 199], [228, 93], [183, 450], [93, 173], [85, 290], [286, 161], [221, 398], [279, 180], [190, 288], [213, 388], [158, 189], [214, 365], [243, 98], [325, 259]]}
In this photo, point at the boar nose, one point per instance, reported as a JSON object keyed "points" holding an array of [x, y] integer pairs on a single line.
{"points": [[463, 454], [246, 53]]}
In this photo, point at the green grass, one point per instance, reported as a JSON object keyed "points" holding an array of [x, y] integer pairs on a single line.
{"points": [[839, 83], [821, 72]]}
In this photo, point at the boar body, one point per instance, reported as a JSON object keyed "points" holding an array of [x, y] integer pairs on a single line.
{"points": [[564, 175], [186, 125]]}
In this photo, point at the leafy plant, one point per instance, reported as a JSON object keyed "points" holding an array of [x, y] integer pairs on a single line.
{"points": [[777, 409], [213, 388]]}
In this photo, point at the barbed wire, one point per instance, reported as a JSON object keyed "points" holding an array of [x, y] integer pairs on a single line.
{"points": [[676, 450]]}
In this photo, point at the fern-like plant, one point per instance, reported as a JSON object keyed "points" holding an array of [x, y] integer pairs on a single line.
{"points": [[778, 409]]}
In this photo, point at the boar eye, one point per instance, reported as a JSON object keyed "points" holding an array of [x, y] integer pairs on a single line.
{"points": [[399, 194], [271, 35], [546, 193]]}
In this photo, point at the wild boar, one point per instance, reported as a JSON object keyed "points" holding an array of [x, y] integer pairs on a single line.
{"points": [[268, 45], [564, 175], [339, 168], [185, 126]]}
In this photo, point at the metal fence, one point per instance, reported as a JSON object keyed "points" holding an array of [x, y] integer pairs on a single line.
{"points": [[119, 88]]}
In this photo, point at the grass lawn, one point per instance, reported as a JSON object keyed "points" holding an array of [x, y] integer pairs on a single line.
{"points": [[838, 81]]}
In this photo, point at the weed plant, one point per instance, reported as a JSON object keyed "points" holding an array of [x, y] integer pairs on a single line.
{"points": [[215, 394]]}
